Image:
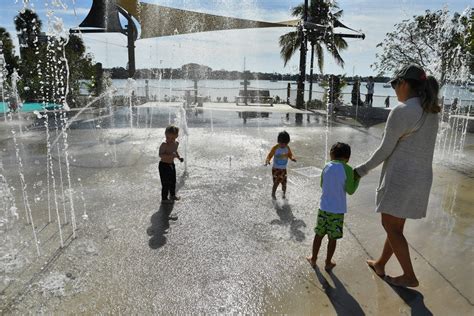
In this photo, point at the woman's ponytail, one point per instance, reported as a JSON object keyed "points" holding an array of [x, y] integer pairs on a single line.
{"points": [[428, 92]]}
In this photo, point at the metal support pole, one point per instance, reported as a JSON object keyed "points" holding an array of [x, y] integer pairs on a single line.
{"points": [[131, 48], [303, 47], [311, 74]]}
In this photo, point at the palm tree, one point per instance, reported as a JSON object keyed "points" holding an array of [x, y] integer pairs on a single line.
{"points": [[28, 26], [319, 13]]}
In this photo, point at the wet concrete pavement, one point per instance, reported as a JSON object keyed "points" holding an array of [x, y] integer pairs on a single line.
{"points": [[232, 249]]}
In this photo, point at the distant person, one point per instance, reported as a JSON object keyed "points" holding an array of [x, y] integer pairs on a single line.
{"points": [[454, 105], [337, 179], [355, 94], [370, 91], [406, 151], [280, 153], [13, 104], [168, 153], [387, 101]]}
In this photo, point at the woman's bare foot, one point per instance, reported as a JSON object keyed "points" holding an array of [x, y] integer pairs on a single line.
{"points": [[402, 281], [311, 261], [377, 269], [329, 265]]}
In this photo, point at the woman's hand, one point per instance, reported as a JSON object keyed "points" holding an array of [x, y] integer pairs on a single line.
{"points": [[356, 175]]}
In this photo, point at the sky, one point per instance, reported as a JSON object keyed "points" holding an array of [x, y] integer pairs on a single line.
{"points": [[227, 49]]}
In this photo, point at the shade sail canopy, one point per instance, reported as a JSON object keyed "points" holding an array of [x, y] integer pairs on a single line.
{"points": [[157, 21], [103, 15]]}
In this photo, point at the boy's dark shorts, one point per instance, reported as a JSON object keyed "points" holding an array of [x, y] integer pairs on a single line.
{"points": [[330, 224]]}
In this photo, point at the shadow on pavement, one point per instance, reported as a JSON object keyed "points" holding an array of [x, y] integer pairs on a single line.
{"points": [[283, 211], [160, 224], [343, 302], [414, 299]]}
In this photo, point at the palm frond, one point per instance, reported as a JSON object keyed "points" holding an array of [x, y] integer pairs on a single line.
{"points": [[320, 56], [289, 43]]}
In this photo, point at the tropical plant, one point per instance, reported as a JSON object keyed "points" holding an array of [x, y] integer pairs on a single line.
{"points": [[438, 41], [321, 13], [50, 67], [8, 50]]}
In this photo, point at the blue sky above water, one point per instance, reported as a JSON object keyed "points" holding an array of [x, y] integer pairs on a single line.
{"points": [[227, 49]]}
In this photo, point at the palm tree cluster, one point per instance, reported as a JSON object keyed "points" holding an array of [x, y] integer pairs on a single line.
{"points": [[322, 17]]}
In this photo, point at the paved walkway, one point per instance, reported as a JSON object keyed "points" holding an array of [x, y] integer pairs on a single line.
{"points": [[232, 248]]}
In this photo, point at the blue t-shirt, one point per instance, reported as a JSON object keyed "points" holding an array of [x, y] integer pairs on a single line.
{"points": [[337, 179], [280, 156]]}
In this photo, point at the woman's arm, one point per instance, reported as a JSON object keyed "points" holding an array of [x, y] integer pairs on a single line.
{"points": [[394, 129]]}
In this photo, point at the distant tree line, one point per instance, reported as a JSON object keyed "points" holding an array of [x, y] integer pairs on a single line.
{"points": [[194, 71]]}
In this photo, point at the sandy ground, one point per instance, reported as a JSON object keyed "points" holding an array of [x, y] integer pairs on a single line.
{"points": [[232, 249]]}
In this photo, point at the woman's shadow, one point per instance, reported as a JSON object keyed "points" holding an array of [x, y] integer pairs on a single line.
{"points": [[344, 303], [414, 299], [160, 224]]}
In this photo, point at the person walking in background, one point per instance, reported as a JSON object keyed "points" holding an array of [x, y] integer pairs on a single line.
{"points": [[387, 101], [370, 91], [168, 153], [280, 153], [337, 179], [355, 94], [406, 152]]}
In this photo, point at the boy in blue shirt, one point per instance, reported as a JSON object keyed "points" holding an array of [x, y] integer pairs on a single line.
{"points": [[337, 179]]}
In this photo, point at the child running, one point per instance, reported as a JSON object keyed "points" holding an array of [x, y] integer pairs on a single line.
{"points": [[337, 179], [281, 153], [168, 152]]}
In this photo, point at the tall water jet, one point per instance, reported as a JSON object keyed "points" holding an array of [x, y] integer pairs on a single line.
{"points": [[130, 88], [182, 123]]}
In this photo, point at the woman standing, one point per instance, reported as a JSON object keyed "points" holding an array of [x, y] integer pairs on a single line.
{"points": [[406, 151]]}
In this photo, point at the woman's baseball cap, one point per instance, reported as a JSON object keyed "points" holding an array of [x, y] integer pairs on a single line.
{"points": [[411, 71]]}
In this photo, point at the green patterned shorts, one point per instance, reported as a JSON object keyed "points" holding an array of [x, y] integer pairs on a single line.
{"points": [[330, 224]]}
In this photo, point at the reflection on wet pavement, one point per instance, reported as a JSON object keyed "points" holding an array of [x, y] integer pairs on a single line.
{"points": [[231, 248]]}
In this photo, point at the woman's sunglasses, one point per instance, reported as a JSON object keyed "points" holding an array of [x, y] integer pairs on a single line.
{"points": [[395, 82]]}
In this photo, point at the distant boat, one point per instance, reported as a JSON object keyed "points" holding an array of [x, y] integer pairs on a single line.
{"points": [[387, 85]]}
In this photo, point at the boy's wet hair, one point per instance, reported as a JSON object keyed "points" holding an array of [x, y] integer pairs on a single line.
{"points": [[283, 137], [340, 151], [171, 129]]}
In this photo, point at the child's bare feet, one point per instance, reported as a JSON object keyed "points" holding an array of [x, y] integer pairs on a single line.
{"points": [[402, 281], [311, 261], [329, 265], [377, 269]]}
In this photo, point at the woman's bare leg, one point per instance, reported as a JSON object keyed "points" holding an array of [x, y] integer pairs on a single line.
{"points": [[394, 228], [379, 264]]}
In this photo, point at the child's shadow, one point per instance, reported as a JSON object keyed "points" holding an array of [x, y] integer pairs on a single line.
{"points": [[343, 302], [414, 299], [160, 224], [287, 218]]}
